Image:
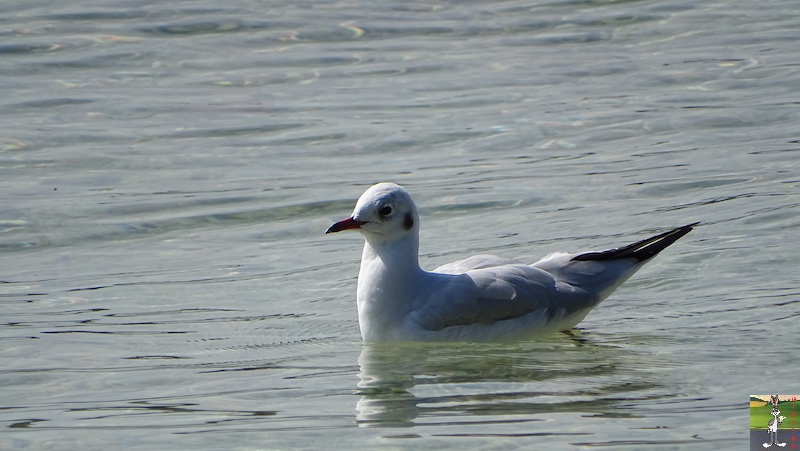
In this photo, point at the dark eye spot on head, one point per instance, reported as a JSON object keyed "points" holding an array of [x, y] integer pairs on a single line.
{"points": [[408, 222], [385, 211]]}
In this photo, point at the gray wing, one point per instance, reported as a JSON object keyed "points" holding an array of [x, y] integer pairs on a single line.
{"points": [[474, 262], [488, 295], [598, 277]]}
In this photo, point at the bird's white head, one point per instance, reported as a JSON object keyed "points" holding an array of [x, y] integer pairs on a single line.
{"points": [[384, 213]]}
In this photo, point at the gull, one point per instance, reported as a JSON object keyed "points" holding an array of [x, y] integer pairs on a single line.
{"points": [[481, 298]]}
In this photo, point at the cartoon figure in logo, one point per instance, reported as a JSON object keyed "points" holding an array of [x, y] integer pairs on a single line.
{"points": [[773, 424]]}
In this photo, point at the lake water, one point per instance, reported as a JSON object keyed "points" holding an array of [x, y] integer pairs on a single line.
{"points": [[169, 169]]}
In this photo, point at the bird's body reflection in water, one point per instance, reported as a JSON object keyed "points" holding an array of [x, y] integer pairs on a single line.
{"points": [[413, 384]]}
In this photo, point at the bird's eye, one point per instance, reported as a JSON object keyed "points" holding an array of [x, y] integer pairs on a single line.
{"points": [[385, 211]]}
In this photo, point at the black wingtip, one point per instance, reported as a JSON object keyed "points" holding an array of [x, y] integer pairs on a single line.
{"points": [[641, 250]]}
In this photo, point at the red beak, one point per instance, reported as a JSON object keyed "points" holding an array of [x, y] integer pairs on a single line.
{"points": [[347, 224]]}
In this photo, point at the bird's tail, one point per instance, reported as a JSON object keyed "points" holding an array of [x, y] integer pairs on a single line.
{"points": [[641, 250]]}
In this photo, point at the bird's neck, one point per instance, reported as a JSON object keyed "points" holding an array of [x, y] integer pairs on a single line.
{"points": [[398, 259], [386, 286]]}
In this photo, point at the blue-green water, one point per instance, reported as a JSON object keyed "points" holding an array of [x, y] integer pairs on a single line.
{"points": [[167, 171]]}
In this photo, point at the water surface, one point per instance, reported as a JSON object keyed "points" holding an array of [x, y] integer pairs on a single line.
{"points": [[168, 171]]}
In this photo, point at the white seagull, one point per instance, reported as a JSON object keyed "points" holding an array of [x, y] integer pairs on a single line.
{"points": [[481, 298]]}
